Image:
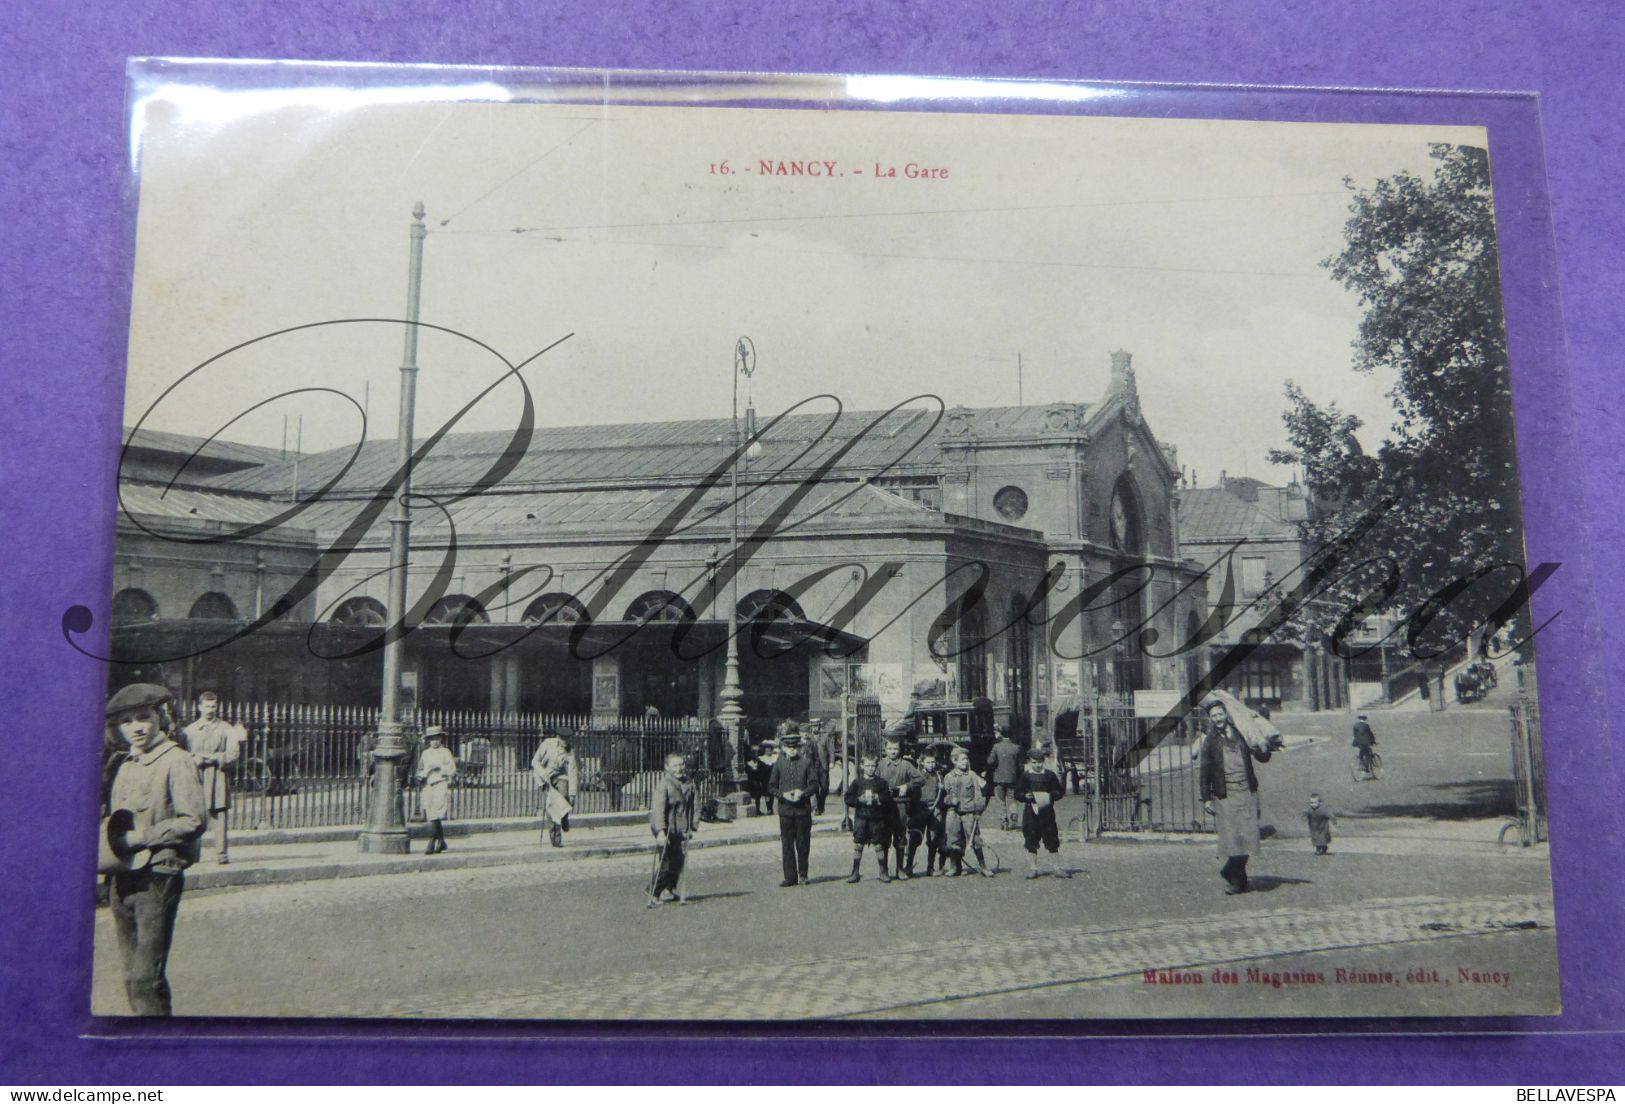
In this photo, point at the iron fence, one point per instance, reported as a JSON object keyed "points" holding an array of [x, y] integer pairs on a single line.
{"points": [[1130, 783], [1528, 771], [308, 765]]}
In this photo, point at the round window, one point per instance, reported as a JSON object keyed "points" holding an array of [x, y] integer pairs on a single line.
{"points": [[1011, 503]]}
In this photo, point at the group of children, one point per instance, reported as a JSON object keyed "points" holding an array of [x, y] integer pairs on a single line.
{"points": [[897, 806]]}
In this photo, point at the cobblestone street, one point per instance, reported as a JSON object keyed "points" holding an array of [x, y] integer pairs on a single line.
{"points": [[1415, 888]]}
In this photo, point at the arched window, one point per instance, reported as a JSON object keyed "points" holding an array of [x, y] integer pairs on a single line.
{"points": [[1127, 531], [134, 604], [456, 609], [659, 605], [213, 606], [558, 609], [368, 612], [769, 605]]}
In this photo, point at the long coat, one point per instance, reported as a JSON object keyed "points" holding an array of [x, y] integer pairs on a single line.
{"points": [[218, 741], [437, 766]]}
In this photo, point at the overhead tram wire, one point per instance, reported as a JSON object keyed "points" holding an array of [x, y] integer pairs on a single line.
{"points": [[510, 179], [930, 258], [668, 224]]}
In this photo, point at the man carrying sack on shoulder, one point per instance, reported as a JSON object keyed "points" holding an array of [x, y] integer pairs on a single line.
{"points": [[554, 768]]}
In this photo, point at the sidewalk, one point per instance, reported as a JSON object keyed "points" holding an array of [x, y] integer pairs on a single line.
{"points": [[291, 856]]}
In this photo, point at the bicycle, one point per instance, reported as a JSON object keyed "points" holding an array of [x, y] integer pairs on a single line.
{"points": [[1366, 767]]}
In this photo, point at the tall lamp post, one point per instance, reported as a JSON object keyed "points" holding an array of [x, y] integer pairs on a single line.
{"points": [[732, 710], [385, 832]]}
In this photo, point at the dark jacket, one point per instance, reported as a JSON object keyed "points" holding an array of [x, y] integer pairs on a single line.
{"points": [[794, 774], [1042, 780], [865, 811], [1363, 736], [1213, 786]]}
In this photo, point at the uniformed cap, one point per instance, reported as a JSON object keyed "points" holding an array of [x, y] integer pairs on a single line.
{"points": [[137, 695], [790, 739]]}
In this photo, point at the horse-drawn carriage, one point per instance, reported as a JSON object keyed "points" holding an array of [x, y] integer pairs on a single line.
{"points": [[1474, 681]]}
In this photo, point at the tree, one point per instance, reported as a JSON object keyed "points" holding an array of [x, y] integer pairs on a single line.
{"points": [[1421, 256]]}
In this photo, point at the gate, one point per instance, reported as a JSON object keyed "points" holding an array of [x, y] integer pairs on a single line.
{"points": [[1128, 784], [1528, 773]]}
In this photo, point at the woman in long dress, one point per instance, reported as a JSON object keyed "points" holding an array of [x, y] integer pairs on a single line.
{"points": [[1229, 787], [437, 766]]}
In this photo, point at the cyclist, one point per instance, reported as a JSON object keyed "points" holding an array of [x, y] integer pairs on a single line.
{"points": [[1364, 741]]}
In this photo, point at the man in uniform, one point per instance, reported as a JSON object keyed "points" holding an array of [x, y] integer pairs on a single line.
{"points": [[794, 787], [554, 768], [214, 743], [157, 813]]}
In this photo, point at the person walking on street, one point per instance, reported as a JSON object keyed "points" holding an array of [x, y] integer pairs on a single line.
{"points": [[158, 812], [214, 744], [793, 786], [1229, 787], [437, 767], [1004, 766], [1320, 819], [673, 817], [554, 769]]}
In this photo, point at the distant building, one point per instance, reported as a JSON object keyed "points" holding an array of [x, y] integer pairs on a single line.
{"points": [[1269, 520], [849, 590]]}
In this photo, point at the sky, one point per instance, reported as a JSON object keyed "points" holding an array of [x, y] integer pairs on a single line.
{"points": [[1195, 245]]}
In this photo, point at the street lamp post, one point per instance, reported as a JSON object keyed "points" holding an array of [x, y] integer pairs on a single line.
{"points": [[732, 711], [385, 832]]}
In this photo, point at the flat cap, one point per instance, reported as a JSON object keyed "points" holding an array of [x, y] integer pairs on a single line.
{"points": [[137, 695]]}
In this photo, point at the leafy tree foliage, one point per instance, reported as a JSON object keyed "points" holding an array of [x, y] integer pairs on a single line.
{"points": [[1421, 256]]}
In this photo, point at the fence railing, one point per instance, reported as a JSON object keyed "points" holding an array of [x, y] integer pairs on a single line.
{"points": [[1528, 769], [309, 765], [1129, 784]]}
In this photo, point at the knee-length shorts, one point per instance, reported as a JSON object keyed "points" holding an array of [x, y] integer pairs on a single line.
{"points": [[1038, 826]]}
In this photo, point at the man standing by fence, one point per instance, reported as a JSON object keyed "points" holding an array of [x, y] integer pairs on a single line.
{"points": [[554, 768], [214, 744]]}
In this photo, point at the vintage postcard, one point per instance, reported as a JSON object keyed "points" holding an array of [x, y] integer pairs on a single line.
{"points": [[585, 557]]}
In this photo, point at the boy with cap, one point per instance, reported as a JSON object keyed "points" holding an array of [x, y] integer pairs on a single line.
{"points": [[1038, 789], [214, 743], [673, 817], [870, 800], [903, 779], [963, 802], [794, 785], [925, 818], [158, 812]]}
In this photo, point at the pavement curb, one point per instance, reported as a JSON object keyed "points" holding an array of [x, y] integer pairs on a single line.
{"points": [[248, 875]]}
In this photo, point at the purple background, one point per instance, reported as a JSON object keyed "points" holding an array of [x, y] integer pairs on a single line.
{"points": [[65, 275]]}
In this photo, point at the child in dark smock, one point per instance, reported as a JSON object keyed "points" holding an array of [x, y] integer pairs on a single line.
{"points": [[870, 800]]}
